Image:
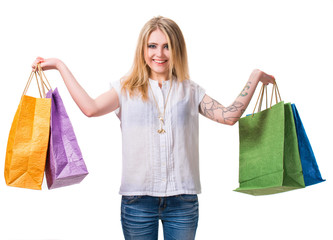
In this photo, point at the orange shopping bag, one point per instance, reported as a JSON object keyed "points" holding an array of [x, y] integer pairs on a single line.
{"points": [[28, 140]]}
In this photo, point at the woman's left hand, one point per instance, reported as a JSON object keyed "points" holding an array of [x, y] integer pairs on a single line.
{"points": [[264, 77]]}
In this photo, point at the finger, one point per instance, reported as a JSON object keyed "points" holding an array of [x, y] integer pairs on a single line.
{"points": [[34, 65], [37, 61], [34, 68], [40, 59]]}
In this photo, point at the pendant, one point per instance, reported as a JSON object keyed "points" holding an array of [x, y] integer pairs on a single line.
{"points": [[161, 130]]}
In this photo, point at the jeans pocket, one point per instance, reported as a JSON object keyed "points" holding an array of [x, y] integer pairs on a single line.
{"points": [[130, 199], [188, 197]]}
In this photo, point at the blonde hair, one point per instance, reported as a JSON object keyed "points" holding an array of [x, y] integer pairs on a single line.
{"points": [[136, 83]]}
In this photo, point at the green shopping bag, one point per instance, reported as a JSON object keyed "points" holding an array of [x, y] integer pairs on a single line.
{"points": [[269, 160]]}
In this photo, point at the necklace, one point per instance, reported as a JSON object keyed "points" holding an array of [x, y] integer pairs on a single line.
{"points": [[160, 115]]}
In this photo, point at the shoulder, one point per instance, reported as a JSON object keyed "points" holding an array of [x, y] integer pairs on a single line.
{"points": [[116, 84], [193, 89], [195, 86], [189, 83]]}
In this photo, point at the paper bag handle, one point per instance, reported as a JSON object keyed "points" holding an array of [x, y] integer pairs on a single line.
{"points": [[40, 73], [41, 83], [28, 84], [275, 90]]}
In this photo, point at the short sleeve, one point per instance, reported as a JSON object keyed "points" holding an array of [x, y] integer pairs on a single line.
{"points": [[117, 87], [199, 92]]}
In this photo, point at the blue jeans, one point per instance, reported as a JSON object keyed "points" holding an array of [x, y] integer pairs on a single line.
{"points": [[140, 215]]}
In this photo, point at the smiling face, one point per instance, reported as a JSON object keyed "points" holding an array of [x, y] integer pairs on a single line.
{"points": [[157, 55]]}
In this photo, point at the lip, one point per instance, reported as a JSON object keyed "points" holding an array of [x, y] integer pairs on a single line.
{"points": [[159, 62]]}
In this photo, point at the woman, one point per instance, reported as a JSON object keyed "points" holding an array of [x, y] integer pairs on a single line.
{"points": [[158, 106]]}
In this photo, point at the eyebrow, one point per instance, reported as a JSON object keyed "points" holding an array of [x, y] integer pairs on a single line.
{"points": [[157, 43]]}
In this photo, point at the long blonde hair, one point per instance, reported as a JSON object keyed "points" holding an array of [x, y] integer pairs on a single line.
{"points": [[136, 83]]}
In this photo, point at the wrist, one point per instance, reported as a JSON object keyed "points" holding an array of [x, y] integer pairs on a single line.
{"points": [[256, 75], [59, 64]]}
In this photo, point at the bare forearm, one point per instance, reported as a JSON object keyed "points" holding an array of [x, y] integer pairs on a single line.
{"points": [[79, 95], [231, 114], [103, 104], [243, 99]]}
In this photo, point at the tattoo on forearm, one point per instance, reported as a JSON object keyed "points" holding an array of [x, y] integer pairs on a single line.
{"points": [[247, 87], [236, 106], [209, 108]]}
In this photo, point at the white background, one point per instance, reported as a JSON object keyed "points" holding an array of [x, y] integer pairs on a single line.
{"points": [[226, 40]]}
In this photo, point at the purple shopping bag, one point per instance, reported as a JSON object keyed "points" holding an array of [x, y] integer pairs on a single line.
{"points": [[64, 164]]}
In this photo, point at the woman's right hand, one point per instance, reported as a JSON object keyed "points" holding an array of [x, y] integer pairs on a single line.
{"points": [[103, 104], [46, 64]]}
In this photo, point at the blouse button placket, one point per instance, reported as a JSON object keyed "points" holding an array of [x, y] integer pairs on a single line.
{"points": [[163, 142]]}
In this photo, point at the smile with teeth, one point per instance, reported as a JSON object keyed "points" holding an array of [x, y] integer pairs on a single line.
{"points": [[159, 61]]}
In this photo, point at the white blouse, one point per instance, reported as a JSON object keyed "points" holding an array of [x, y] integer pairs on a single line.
{"points": [[160, 164]]}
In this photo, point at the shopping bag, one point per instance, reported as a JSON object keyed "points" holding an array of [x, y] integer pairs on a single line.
{"points": [[269, 160], [28, 141], [311, 171], [65, 165]]}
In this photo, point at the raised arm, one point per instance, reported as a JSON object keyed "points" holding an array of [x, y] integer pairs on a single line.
{"points": [[105, 103], [213, 110]]}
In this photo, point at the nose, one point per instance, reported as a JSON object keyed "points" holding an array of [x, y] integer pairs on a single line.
{"points": [[159, 52]]}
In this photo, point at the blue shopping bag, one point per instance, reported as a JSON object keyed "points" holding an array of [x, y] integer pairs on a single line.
{"points": [[311, 171]]}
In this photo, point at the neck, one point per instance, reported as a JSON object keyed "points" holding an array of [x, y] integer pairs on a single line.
{"points": [[159, 77]]}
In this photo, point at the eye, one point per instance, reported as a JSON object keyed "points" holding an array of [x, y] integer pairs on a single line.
{"points": [[151, 46], [166, 46]]}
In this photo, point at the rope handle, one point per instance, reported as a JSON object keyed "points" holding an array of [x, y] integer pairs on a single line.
{"points": [[40, 73], [275, 91], [40, 82]]}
